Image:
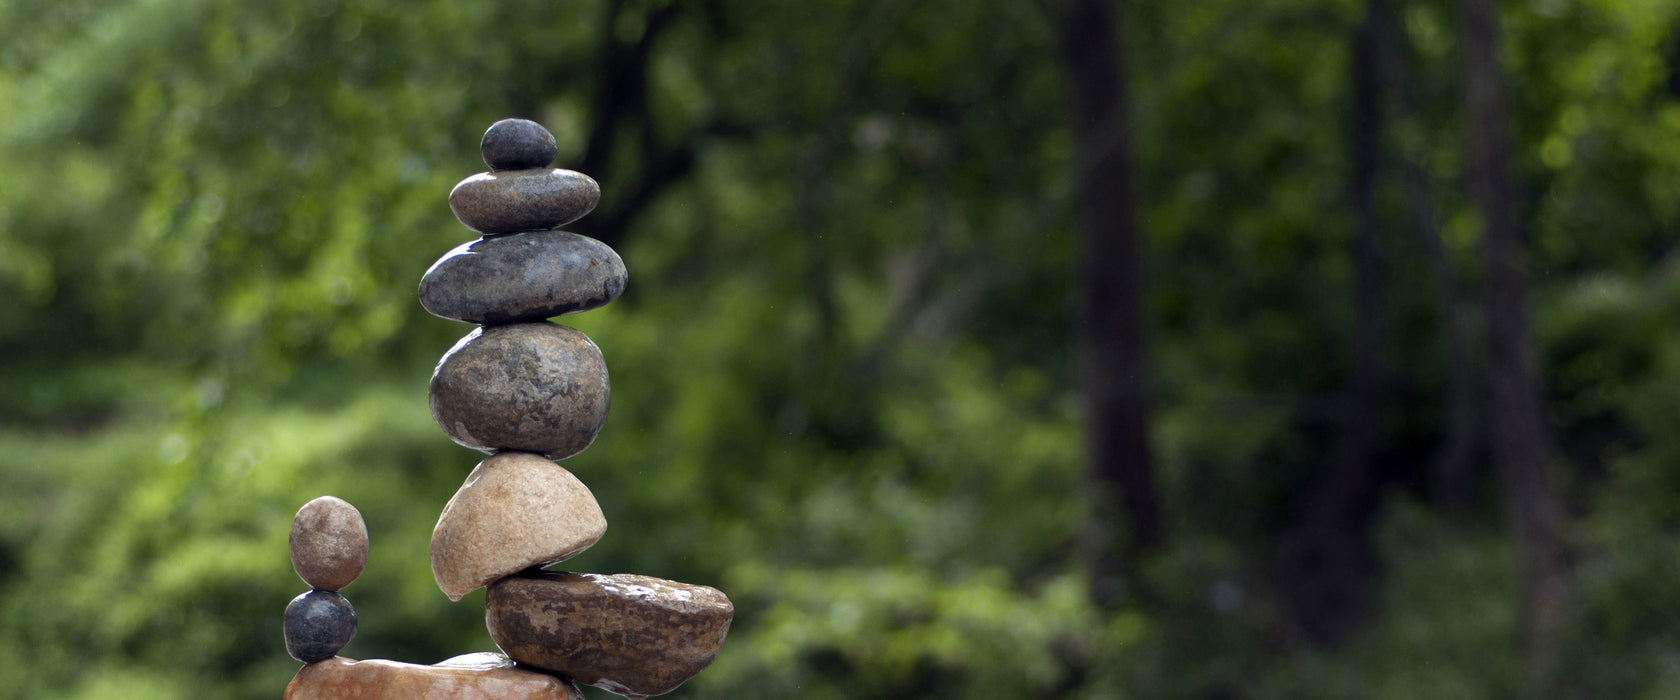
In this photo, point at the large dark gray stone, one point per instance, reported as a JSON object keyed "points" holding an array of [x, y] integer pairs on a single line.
{"points": [[517, 144], [522, 277], [534, 387], [629, 634], [318, 624], [510, 201]]}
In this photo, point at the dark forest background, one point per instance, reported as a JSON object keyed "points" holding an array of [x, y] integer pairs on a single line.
{"points": [[1231, 349]]}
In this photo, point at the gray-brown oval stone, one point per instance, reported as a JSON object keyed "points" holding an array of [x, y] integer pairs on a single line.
{"points": [[522, 277], [480, 676], [532, 387], [510, 201], [329, 543], [629, 634], [516, 511]]}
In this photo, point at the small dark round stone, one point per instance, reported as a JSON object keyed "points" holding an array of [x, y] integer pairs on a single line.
{"points": [[517, 144], [318, 624]]}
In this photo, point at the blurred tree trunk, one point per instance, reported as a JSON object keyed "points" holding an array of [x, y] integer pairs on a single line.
{"points": [[1110, 339], [1451, 471], [1329, 565], [620, 104], [1520, 441]]}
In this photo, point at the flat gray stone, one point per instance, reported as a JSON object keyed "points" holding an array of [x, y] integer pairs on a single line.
{"points": [[628, 634], [522, 277], [511, 201], [532, 387]]}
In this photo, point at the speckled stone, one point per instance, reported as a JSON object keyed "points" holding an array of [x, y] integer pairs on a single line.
{"points": [[629, 634], [522, 277], [318, 624], [329, 543], [471, 677], [517, 144], [516, 511], [510, 201], [532, 387]]}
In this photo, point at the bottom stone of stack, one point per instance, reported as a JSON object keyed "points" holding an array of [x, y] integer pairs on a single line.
{"points": [[470, 677], [628, 634]]}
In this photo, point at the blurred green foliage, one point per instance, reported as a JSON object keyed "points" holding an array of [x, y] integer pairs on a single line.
{"points": [[841, 372]]}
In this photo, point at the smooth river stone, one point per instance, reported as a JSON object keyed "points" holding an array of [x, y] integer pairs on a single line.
{"points": [[628, 634], [516, 511], [535, 199], [517, 144], [329, 543], [318, 624], [470, 677], [522, 277], [533, 387]]}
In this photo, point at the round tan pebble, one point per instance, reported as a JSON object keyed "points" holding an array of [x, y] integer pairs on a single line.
{"points": [[329, 543]]}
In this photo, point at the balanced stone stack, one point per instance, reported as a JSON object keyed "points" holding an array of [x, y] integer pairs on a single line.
{"points": [[530, 392], [329, 546]]}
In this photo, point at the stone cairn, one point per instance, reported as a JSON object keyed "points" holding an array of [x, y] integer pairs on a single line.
{"points": [[528, 392]]}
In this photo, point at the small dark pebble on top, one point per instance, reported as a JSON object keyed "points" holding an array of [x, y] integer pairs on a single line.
{"points": [[518, 144]]}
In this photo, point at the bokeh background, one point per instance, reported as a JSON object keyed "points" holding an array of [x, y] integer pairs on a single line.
{"points": [[846, 389]]}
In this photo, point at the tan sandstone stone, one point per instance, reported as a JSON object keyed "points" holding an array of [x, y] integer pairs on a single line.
{"points": [[628, 634], [329, 543], [516, 511], [470, 677]]}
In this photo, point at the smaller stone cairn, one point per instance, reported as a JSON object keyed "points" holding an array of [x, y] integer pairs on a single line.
{"points": [[329, 545], [528, 392]]}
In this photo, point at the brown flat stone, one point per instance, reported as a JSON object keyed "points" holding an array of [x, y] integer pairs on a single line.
{"points": [[516, 511], [532, 387], [522, 277], [470, 677], [535, 199], [329, 543], [629, 634]]}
